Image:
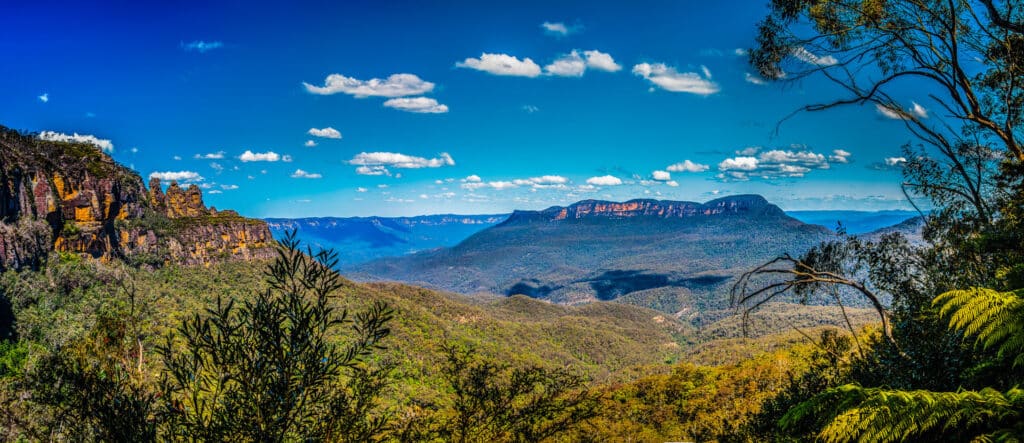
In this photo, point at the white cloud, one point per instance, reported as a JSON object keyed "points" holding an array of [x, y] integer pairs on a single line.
{"points": [[669, 79], [738, 163], [604, 180], [217, 167], [895, 161], [310, 143], [182, 176], [751, 78], [557, 28], [210, 156], [474, 182], [672, 183], [802, 54], [472, 179], [200, 46], [887, 112], [749, 150], [778, 163], [229, 187], [105, 145], [839, 156], [739, 52], [45, 97], [372, 170], [501, 64], [500, 185], [687, 166], [303, 174], [574, 65], [249, 156], [286, 158], [177, 157], [530, 109], [919, 110], [361, 189], [420, 105], [569, 65], [327, 132], [661, 176], [706, 71], [215, 191], [396, 85], [601, 61], [396, 160]]}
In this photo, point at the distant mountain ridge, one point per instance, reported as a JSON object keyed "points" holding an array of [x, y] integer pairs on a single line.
{"points": [[732, 205], [673, 256], [361, 239]]}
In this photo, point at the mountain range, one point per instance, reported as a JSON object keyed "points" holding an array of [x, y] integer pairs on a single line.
{"points": [[676, 257]]}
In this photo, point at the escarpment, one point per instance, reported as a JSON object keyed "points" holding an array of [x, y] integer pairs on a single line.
{"points": [[74, 198]]}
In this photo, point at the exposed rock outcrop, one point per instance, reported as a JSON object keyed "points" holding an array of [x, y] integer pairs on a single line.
{"points": [[73, 198]]}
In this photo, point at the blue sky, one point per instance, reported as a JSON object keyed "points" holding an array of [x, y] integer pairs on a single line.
{"points": [[437, 108]]}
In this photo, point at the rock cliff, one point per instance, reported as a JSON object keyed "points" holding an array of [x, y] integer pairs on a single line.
{"points": [[73, 198]]}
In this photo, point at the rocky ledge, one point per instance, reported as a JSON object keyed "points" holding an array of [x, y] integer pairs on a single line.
{"points": [[74, 198]]}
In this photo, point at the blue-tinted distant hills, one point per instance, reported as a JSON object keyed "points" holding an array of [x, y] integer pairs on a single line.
{"points": [[855, 222], [361, 239]]}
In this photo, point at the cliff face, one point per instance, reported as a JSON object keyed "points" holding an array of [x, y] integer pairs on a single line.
{"points": [[73, 198], [751, 205]]}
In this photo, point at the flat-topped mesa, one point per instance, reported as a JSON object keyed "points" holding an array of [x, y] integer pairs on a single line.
{"points": [[750, 205]]}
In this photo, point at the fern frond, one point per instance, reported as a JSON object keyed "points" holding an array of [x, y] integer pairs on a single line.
{"points": [[995, 319], [881, 415]]}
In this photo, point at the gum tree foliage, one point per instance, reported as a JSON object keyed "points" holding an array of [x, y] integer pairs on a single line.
{"points": [[493, 402], [966, 163], [267, 369]]}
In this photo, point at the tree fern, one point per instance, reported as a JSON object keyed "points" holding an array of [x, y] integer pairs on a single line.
{"points": [[995, 319]]}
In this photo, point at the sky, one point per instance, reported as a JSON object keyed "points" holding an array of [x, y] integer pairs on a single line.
{"points": [[398, 108]]}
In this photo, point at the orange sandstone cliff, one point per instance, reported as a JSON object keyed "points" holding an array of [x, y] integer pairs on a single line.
{"points": [[73, 198]]}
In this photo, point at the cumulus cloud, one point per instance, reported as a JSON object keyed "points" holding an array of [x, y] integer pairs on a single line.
{"points": [[661, 176], [687, 166], [755, 79], [574, 65], [669, 79], [889, 163], [672, 183], [558, 28], [210, 156], [327, 132], [569, 65], [396, 160], [181, 176], [739, 52], [601, 61], [919, 110], [310, 143], [802, 54], [474, 182], [103, 144], [420, 105], [200, 46], [604, 180], [45, 97], [299, 173], [778, 163], [915, 110], [372, 170], [396, 85], [269, 156], [502, 64], [839, 156], [361, 189]]}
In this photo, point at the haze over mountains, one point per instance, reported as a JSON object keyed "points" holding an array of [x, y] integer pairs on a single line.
{"points": [[672, 256], [363, 239]]}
